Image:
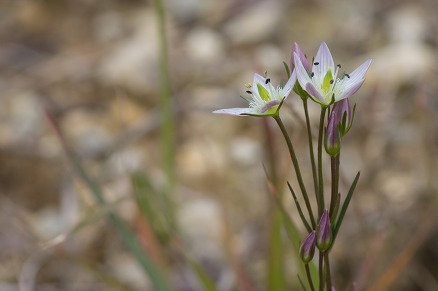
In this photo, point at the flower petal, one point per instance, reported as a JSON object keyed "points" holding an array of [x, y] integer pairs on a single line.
{"points": [[255, 91], [349, 90], [237, 111], [324, 61], [302, 75], [359, 73], [270, 105], [297, 50], [315, 94], [259, 79], [285, 91]]}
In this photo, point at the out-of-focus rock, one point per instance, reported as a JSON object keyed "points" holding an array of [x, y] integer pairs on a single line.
{"points": [[127, 270], [108, 26], [87, 132], [189, 10], [24, 121], [204, 45], [133, 63], [200, 157], [246, 151], [256, 23], [271, 59], [200, 222]]}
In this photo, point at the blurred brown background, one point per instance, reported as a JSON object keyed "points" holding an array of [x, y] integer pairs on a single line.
{"points": [[94, 64]]}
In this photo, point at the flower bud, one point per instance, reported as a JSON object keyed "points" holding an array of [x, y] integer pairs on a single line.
{"points": [[324, 233], [297, 50], [307, 248], [298, 56], [343, 115], [332, 141]]}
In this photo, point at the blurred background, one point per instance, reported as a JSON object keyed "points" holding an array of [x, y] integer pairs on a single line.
{"points": [[193, 191]]}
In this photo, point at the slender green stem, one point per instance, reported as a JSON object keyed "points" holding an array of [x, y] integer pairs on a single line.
{"points": [[335, 182], [167, 124], [275, 267], [327, 269], [300, 211], [312, 155], [320, 176], [321, 272], [309, 278], [297, 168]]}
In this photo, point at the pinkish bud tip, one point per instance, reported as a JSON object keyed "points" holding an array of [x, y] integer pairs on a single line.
{"points": [[324, 233], [307, 248]]}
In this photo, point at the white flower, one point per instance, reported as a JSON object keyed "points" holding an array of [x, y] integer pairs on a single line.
{"points": [[323, 84], [266, 99]]}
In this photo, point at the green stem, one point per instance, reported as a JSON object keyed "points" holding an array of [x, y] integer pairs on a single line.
{"points": [[312, 155], [320, 176], [309, 278], [297, 168], [328, 275], [276, 274], [321, 272], [335, 182], [167, 124]]}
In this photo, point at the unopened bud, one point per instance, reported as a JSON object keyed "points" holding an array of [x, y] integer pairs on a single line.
{"points": [[343, 115], [297, 50], [324, 233], [332, 142], [307, 248]]}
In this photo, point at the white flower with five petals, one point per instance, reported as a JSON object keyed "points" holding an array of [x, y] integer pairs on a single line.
{"points": [[323, 84], [266, 99]]}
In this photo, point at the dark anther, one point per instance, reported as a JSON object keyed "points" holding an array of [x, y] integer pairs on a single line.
{"points": [[305, 56], [313, 74], [267, 81], [331, 81], [347, 75], [249, 92], [339, 66], [316, 63]]}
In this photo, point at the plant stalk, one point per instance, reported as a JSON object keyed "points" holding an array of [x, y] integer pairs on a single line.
{"points": [[320, 176], [296, 167]]}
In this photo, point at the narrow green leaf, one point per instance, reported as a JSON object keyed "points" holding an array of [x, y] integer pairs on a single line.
{"points": [[300, 211], [128, 237], [276, 273], [203, 277], [286, 67], [345, 207]]}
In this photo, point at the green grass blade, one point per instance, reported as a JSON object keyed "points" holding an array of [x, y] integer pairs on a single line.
{"points": [[203, 277], [129, 239], [276, 274], [345, 207]]}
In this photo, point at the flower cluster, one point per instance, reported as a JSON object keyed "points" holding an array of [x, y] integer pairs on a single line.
{"points": [[322, 82]]}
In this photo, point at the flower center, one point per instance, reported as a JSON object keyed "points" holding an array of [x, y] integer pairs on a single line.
{"points": [[270, 105], [327, 81], [263, 93]]}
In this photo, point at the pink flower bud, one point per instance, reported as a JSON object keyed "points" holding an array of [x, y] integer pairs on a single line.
{"points": [[332, 141], [324, 233], [307, 248], [297, 50], [344, 117]]}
